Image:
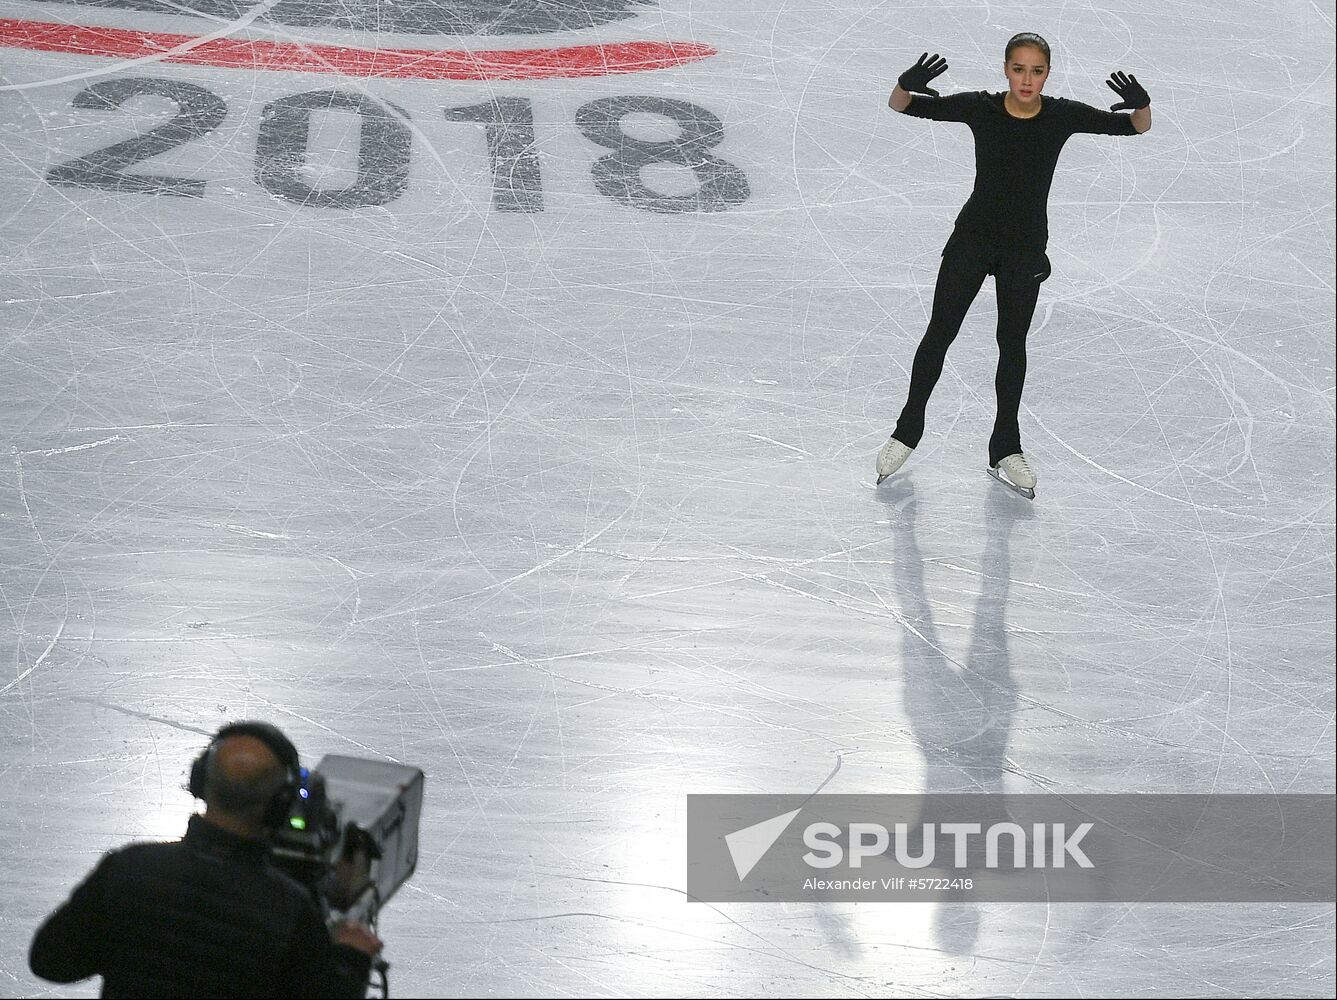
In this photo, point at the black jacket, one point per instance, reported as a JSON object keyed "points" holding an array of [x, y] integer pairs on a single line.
{"points": [[1015, 159], [206, 916]]}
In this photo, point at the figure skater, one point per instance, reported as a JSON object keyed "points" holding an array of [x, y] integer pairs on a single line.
{"points": [[1003, 229]]}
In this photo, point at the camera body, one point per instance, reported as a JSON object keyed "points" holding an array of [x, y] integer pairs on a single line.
{"points": [[351, 834]]}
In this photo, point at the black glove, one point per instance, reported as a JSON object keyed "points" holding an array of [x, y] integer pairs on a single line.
{"points": [[916, 78], [1127, 87]]}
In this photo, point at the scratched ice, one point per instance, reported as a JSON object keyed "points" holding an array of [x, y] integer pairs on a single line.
{"points": [[540, 456]]}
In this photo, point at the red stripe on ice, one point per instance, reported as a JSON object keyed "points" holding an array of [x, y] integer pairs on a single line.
{"points": [[413, 64]]}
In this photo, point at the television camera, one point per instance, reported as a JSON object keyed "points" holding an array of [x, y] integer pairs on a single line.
{"points": [[351, 835]]}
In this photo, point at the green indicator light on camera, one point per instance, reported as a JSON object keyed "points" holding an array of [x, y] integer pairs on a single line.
{"points": [[297, 823]]}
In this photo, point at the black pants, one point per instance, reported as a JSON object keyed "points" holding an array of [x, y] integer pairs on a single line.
{"points": [[1017, 277]]}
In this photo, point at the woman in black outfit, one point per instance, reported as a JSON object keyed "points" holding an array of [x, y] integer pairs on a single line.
{"points": [[1002, 230]]}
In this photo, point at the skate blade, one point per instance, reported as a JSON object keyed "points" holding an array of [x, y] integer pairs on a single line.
{"points": [[881, 478], [1029, 494]]}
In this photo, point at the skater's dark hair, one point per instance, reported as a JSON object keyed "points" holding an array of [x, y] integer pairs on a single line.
{"points": [[1026, 38]]}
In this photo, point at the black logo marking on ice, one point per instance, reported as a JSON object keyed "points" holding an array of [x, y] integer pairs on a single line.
{"points": [[414, 17]]}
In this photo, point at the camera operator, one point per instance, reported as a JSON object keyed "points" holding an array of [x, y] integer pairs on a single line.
{"points": [[209, 915]]}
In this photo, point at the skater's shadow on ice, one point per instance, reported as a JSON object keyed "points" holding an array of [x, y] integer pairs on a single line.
{"points": [[960, 706]]}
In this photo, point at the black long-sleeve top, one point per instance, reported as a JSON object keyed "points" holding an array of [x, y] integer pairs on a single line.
{"points": [[1015, 159], [206, 916]]}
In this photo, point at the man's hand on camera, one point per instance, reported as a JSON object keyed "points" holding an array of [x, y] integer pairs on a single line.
{"points": [[354, 935]]}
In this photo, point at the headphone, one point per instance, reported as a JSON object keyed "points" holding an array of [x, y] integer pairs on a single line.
{"points": [[280, 803]]}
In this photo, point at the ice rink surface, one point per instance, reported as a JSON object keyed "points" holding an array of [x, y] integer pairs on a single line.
{"points": [[538, 460]]}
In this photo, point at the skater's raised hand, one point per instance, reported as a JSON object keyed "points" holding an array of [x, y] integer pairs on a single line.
{"points": [[916, 78], [1127, 87]]}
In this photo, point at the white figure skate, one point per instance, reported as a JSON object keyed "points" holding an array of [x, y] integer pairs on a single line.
{"points": [[891, 457], [1015, 473]]}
